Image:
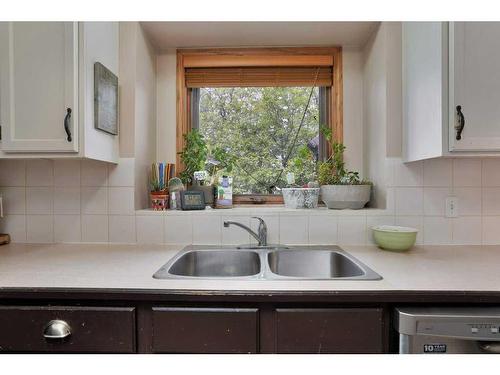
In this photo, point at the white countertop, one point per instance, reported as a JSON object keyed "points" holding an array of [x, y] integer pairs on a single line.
{"points": [[424, 268]]}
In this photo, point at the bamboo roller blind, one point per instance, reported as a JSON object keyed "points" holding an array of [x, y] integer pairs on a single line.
{"points": [[286, 76]]}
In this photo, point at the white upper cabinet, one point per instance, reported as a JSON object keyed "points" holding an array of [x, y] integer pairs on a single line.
{"points": [[47, 92], [451, 89], [39, 62], [475, 86]]}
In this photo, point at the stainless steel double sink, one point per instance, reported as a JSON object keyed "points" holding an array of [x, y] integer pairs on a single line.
{"points": [[305, 263]]}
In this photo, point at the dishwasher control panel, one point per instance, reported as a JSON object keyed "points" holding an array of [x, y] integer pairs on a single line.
{"points": [[472, 330]]}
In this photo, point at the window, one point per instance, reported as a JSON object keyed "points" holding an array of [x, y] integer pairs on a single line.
{"points": [[262, 128], [251, 102]]}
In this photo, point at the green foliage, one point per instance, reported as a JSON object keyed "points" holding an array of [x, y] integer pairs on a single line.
{"points": [[256, 126], [198, 156], [194, 155], [333, 171], [219, 160]]}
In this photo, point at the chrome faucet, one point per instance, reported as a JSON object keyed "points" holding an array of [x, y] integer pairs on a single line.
{"points": [[260, 236]]}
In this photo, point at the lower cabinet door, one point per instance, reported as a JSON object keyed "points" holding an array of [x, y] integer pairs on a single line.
{"points": [[204, 330], [66, 329], [342, 330]]}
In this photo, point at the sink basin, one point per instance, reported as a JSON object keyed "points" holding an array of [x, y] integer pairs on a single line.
{"points": [[313, 264], [213, 263], [266, 263]]}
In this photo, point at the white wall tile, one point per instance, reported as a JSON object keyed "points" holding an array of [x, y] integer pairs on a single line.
{"points": [[416, 222], [491, 234], [408, 174], [122, 174], [466, 172], [67, 228], [294, 229], [207, 229], [467, 230], [435, 200], [491, 172], [323, 229], [273, 228], [12, 172], [95, 228], [149, 229], [437, 230], [67, 200], [438, 172], [14, 200], [95, 200], [15, 226], [491, 201], [234, 235], [469, 200], [122, 229], [409, 201], [352, 230], [178, 229], [40, 228], [67, 172], [39, 200], [94, 173], [39, 172], [121, 200], [372, 221]]}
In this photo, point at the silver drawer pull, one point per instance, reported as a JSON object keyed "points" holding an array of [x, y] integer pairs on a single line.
{"points": [[57, 329]]}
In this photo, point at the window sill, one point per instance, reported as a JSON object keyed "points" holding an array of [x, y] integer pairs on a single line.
{"points": [[272, 209]]}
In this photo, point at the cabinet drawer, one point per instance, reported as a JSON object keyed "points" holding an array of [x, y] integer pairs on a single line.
{"points": [[329, 330], [204, 330], [92, 329]]}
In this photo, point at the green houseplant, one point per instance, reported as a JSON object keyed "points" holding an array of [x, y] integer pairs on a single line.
{"points": [[341, 188], [302, 192], [197, 156]]}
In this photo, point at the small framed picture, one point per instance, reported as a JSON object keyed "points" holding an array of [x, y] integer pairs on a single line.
{"points": [[105, 99]]}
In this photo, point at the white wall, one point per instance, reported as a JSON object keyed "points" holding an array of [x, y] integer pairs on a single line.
{"points": [[145, 117], [138, 105]]}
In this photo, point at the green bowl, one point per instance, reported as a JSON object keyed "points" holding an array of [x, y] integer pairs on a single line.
{"points": [[394, 238]]}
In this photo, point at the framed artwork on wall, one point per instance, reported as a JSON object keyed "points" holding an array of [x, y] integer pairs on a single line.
{"points": [[105, 99]]}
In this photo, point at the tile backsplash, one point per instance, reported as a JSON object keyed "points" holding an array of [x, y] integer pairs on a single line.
{"points": [[88, 201]]}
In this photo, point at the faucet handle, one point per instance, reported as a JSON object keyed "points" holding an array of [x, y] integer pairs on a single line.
{"points": [[261, 220], [262, 230]]}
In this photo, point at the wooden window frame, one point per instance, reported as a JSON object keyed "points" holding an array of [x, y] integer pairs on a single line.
{"points": [[241, 57]]}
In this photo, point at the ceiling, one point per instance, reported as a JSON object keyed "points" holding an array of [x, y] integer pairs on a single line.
{"points": [[165, 35]]}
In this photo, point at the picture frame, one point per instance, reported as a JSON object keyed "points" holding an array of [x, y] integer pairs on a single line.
{"points": [[105, 99]]}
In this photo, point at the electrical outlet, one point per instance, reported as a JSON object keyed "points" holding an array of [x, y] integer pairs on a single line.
{"points": [[451, 207]]}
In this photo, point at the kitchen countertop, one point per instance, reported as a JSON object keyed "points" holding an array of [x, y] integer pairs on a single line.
{"points": [[130, 267]]}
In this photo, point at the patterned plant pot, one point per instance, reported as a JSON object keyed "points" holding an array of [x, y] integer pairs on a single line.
{"points": [[300, 197], [159, 200]]}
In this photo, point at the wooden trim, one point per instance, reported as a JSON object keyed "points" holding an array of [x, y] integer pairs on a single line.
{"points": [[226, 61], [337, 103], [253, 199], [220, 57]]}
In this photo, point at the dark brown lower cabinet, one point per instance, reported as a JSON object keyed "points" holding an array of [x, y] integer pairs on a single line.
{"points": [[330, 330], [204, 330], [91, 329]]}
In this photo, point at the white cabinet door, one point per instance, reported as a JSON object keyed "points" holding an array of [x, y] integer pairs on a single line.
{"points": [[474, 85], [39, 86]]}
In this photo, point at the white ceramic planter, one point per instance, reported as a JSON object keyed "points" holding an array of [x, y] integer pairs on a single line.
{"points": [[345, 196], [300, 197]]}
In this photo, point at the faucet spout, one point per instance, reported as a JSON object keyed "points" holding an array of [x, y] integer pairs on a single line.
{"points": [[261, 236]]}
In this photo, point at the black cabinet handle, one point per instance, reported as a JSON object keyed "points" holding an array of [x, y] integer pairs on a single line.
{"points": [[67, 119], [461, 123]]}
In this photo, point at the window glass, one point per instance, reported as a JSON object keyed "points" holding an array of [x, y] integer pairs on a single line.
{"points": [[260, 126]]}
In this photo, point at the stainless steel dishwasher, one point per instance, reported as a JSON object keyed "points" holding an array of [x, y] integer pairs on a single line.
{"points": [[448, 330]]}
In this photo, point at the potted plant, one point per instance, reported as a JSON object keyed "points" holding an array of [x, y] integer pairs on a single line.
{"points": [[197, 157], [341, 188], [301, 193]]}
